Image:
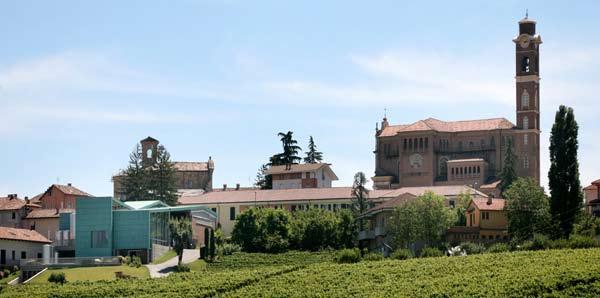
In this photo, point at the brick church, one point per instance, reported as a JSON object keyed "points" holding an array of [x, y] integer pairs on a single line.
{"points": [[433, 152]]}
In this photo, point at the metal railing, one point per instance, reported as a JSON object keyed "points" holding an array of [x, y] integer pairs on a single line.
{"points": [[70, 262]]}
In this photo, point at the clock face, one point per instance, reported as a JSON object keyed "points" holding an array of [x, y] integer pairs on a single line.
{"points": [[524, 41], [416, 161]]}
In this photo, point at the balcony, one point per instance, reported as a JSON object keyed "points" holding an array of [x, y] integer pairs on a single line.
{"points": [[380, 231], [364, 235]]}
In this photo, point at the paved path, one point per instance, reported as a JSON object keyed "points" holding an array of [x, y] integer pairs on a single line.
{"points": [[165, 268]]}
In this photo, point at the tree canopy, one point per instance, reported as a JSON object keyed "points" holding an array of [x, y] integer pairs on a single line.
{"points": [[312, 155], [181, 235], [527, 209], [360, 197], [508, 174], [290, 150]]}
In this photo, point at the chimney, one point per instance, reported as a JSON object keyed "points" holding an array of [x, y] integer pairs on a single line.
{"points": [[69, 184], [224, 187], [237, 186], [27, 200], [490, 198]]}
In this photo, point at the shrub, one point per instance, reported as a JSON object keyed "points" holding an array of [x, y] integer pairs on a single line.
{"points": [[348, 255], [182, 268], [262, 230], [6, 272], [472, 248], [135, 261], [227, 249], [402, 254], [57, 277], [577, 241], [498, 247], [373, 256], [559, 244], [540, 241], [428, 252], [526, 245]]}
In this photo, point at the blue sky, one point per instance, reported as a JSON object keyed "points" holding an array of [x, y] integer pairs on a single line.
{"points": [[82, 82]]}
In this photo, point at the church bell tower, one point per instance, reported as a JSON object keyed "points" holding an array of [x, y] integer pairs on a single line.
{"points": [[527, 64]]}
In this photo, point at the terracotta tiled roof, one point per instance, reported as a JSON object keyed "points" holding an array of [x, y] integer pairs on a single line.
{"points": [[590, 187], [447, 191], [466, 160], [46, 213], [36, 199], [189, 166], [596, 182], [71, 190], [22, 235], [432, 124], [482, 204], [295, 168], [393, 203], [11, 204], [269, 195]]}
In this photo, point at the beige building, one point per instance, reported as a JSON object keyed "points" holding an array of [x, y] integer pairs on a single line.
{"points": [[13, 211], [18, 244], [592, 198], [189, 175], [434, 152], [316, 175], [489, 218]]}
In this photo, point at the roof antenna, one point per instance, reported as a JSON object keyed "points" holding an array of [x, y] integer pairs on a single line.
{"points": [[384, 113], [526, 13]]}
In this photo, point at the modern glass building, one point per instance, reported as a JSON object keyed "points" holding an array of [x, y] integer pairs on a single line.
{"points": [[109, 227]]}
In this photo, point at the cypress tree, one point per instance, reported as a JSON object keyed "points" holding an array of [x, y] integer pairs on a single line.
{"points": [[211, 246], [565, 189], [508, 174]]}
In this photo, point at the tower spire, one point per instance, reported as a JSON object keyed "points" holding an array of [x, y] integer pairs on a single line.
{"points": [[526, 13]]}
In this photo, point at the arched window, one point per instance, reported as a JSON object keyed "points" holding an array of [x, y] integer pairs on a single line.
{"points": [[452, 171], [405, 144], [525, 139], [525, 122], [421, 143], [426, 143], [478, 170], [461, 171], [443, 166], [525, 64], [525, 99], [149, 153]]}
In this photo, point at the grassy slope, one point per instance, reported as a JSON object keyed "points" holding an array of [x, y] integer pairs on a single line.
{"points": [[92, 273], [9, 278], [556, 273], [167, 256]]}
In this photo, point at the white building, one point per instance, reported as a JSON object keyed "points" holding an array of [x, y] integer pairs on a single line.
{"points": [[17, 244], [294, 176]]}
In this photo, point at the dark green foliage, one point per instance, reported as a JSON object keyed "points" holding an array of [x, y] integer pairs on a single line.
{"points": [[181, 233], [360, 197], [429, 252], [212, 245], [402, 254], [150, 181], [182, 268], [134, 261], [563, 177], [313, 156], [472, 248], [587, 225], [498, 247], [262, 180], [348, 255], [57, 278], [460, 208], [318, 229], [262, 230], [347, 229], [577, 241], [373, 256], [527, 209], [508, 174], [227, 249], [290, 150]]}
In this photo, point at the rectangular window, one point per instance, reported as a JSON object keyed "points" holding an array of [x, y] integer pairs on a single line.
{"points": [[99, 239], [526, 162], [13, 255], [214, 210], [307, 175], [525, 139], [23, 255], [231, 213]]}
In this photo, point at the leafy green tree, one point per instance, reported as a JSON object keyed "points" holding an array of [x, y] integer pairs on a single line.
{"points": [[262, 180], [313, 156], [424, 219], [347, 229], [315, 229], [181, 235], [587, 225], [565, 188], [527, 209], [360, 197], [461, 205], [262, 230], [508, 174]]}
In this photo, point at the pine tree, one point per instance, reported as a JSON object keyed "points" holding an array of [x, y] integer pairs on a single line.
{"points": [[313, 156], [163, 176], [290, 149], [262, 180], [565, 188], [135, 179], [508, 174]]}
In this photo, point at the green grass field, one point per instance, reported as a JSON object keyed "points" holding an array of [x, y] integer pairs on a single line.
{"points": [[92, 273], [551, 273], [9, 278]]}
